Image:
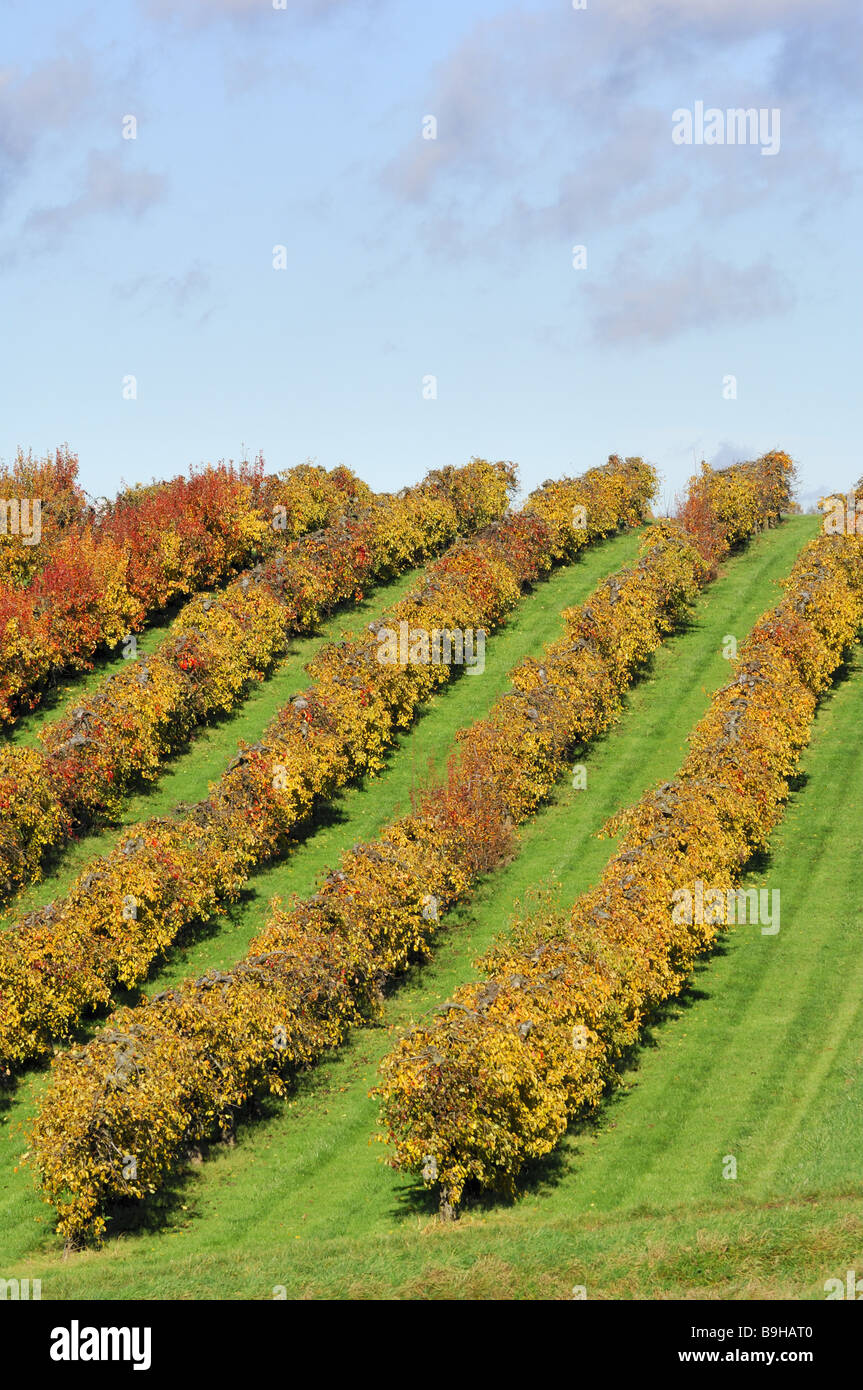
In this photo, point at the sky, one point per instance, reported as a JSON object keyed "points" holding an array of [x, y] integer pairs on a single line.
{"points": [[345, 230]]}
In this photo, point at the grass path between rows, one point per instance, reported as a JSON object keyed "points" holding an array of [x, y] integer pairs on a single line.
{"points": [[760, 1061], [186, 776]]}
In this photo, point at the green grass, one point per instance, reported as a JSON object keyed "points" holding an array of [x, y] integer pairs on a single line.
{"points": [[759, 1060], [187, 776], [359, 813]]}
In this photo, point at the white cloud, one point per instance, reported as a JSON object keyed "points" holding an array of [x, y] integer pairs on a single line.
{"points": [[52, 97], [108, 186], [591, 95], [634, 306], [729, 453]]}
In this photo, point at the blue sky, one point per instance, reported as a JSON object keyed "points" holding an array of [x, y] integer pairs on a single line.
{"points": [[410, 257]]}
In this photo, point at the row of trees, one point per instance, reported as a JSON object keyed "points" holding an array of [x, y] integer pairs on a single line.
{"points": [[123, 731], [493, 1080], [98, 573]]}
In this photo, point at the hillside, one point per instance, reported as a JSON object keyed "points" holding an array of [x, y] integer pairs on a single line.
{"points": [[304, 1201]]}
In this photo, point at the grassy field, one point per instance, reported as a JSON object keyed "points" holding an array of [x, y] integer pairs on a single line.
{"points": [[186, 776], [750, 1063]]}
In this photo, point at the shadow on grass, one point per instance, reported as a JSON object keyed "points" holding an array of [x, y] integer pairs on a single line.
{"points": [[537, 1177], [145, 792]]}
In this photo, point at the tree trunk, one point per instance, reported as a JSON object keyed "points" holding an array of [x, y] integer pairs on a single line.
{"points": [[448, 1209]]}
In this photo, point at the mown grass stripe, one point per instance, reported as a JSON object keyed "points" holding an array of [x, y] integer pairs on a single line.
{"points": [[309, 1172], [359, 812], [537, 619], [187, 776]]}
